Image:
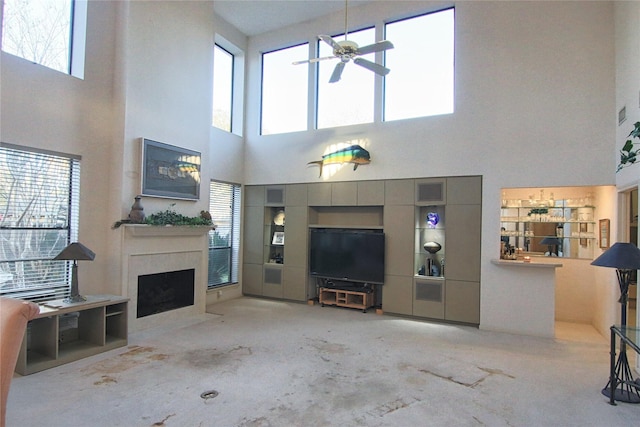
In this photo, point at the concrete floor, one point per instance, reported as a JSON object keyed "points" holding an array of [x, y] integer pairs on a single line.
{"points": [[254, 362]]}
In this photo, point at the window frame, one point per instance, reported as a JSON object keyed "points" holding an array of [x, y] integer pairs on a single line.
{"points": [[305, 91], [237, 89], [319, 83], [77, 32], [231, 87], [233, 229], [380, 96], [57, 284], [385, 96]]}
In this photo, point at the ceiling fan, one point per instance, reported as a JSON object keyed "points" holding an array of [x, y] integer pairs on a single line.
{"points": [[347, 50]]}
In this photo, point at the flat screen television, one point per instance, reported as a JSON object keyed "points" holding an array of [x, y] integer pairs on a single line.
{"points": [[347, 255]]}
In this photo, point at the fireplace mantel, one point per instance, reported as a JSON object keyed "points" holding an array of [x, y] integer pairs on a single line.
{"points": [[150, 249], [145, 230]]}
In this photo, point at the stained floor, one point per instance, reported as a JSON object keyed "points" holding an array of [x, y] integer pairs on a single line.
{"points": [[256, 362]]}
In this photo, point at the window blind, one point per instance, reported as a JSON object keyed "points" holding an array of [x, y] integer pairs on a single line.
{"points": [[224, 241], [39, 206]]}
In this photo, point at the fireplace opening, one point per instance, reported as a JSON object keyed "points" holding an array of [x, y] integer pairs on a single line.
{"points": [[165, 291]]}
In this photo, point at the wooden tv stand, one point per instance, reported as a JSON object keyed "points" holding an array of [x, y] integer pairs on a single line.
{"points": [[361, 300]]}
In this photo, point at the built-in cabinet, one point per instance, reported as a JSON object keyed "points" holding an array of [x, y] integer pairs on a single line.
{"points": [[446, 211], [275, 266], [404, 209]]}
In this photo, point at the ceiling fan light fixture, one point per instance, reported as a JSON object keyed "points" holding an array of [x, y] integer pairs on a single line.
{"points": [[346, 50]]}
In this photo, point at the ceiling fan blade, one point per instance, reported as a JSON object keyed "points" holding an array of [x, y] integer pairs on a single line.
{"points": [[376, 68], [312, 60], [330, 41], [322, 59], [376, 47], [337, 72]]}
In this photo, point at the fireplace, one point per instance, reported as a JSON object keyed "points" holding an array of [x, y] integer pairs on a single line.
{"points": [[160, 292], [150, 252]]}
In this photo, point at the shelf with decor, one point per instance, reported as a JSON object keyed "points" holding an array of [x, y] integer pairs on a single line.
{"points": [[548, 227], [429, 251], [274, 235]]}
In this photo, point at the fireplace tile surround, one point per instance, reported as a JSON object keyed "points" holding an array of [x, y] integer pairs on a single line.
{"points": [[156, 249]]}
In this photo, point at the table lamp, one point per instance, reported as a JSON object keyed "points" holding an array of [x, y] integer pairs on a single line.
{"points": [[74, 252], [551, 242], [625, 258]]}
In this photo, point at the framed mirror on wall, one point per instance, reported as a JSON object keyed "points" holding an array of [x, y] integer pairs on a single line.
{"points": [[552, 222]]}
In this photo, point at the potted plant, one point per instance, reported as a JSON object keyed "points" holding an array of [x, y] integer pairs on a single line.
{"points": [[629, 155], [171, 217]]}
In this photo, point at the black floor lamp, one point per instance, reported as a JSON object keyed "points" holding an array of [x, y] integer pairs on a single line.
{"points": [[625, 258]]}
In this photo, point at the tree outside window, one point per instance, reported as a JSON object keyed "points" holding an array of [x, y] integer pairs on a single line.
{"points": [[39, 31]]}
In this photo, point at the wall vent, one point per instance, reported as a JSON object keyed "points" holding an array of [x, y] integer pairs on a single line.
{"points": [[273, 276], [274, 196], [430, 192], [429, 291]]}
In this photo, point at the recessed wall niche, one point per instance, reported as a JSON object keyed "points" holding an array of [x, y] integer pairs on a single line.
{"points": [[550, 221]]}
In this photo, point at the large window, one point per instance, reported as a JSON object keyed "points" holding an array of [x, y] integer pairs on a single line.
{"points": [[421, 81], [39, 196], [222, 88], [48, 32], [224, 241], [350, 100], [284, 90]]}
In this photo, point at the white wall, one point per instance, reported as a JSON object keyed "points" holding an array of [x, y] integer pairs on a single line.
{"points": [[534, 86], [606, 309], [148, 74], [50, 110], [535, 107], [627, 21], [168, 67], [627, 37]]}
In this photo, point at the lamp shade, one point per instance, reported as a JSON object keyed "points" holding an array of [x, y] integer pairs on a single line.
{"points": [[76, 251], [623, 256], [551, 241]]}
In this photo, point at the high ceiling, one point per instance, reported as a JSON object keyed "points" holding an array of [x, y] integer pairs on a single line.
{"points": [[254, 17]]}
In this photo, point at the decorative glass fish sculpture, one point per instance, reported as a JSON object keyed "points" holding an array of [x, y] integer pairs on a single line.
{"points": [[353, 154]]}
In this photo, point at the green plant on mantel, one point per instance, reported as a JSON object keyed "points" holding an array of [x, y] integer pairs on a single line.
{"points": [[171, 217], [628, 155]]}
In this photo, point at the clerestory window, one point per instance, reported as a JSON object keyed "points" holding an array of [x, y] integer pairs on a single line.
{"points": [[223, 62], [350, 100], [51, 33], [284, 90], [421, 81]]}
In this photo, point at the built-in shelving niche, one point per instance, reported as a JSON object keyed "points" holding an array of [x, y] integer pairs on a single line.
{"points": [[366, 217]]}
